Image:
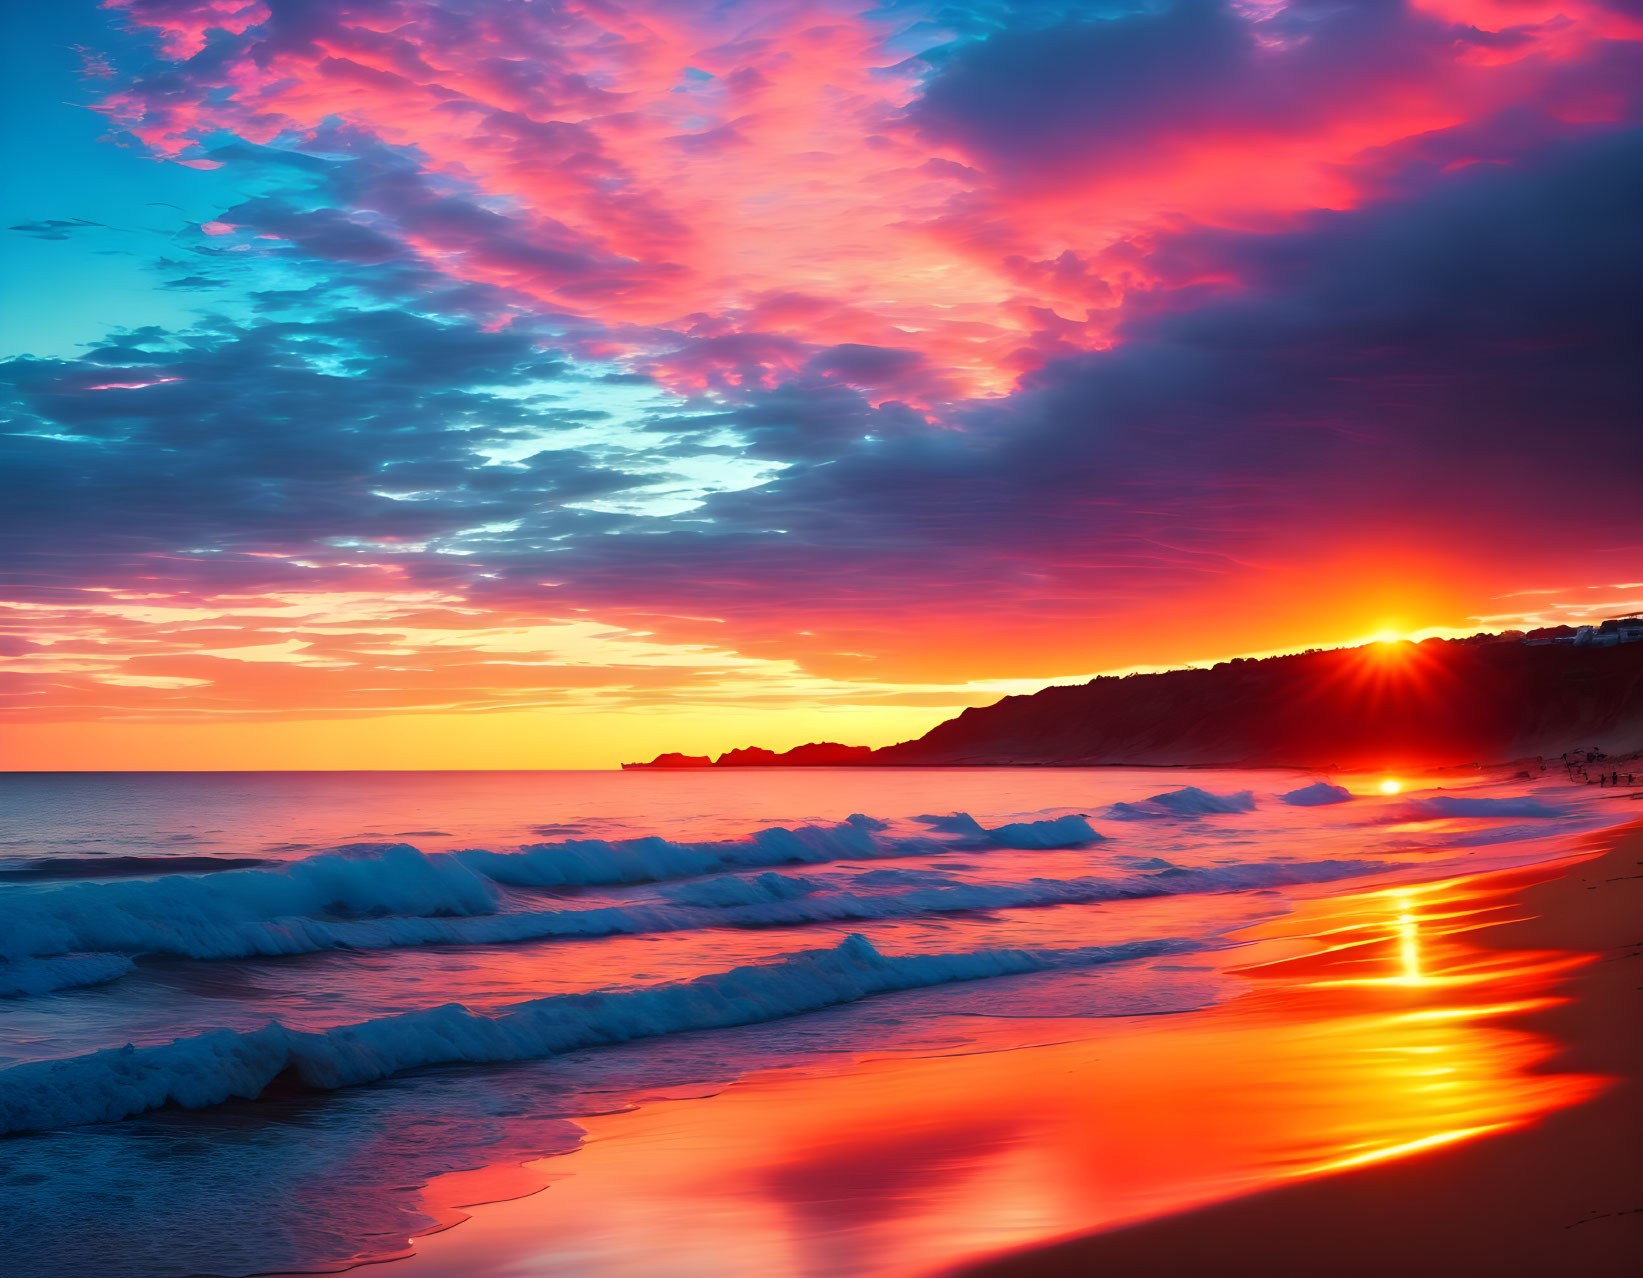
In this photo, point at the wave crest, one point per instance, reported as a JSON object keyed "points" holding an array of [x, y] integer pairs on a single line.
{"points": [[207, 1069]]}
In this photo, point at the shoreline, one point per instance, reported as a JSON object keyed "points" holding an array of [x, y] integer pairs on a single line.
{"points": [[1266, 1090], [1561, 1195]]}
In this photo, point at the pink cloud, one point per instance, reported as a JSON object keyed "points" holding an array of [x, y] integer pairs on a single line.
{"points": [[695, 156]]}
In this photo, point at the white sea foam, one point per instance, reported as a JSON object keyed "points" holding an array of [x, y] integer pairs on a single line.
{"points": [[1318, 794], [1062, 832], [209, 1068], [400, 896], [771, 899], [599, 862], [1189, 801], [732, 890], [237, 912], [940, 895], [1071, 831], [593, 862]]}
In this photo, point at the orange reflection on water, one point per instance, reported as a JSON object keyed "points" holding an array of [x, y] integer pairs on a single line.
{"points": [[1376, 1026]]}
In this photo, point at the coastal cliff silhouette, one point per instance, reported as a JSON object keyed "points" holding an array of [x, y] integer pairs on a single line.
{"points": [[1478, 700]]}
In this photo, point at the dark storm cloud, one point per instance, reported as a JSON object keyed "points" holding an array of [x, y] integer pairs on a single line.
{"points": [[1456, 354], [1438, 356], [1050, 100], [1461, 362]]}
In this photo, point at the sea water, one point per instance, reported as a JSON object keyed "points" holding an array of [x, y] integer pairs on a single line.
{"points": [[245, 1018]]}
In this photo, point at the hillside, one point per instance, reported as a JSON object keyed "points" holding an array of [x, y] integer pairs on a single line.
{"points": [[1484, 699], [816, 754], [1440, 701]]}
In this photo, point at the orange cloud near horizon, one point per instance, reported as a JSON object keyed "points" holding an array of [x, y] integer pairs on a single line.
{"points": [[357, 681]]}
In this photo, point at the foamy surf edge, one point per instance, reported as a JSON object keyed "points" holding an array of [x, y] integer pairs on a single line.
{"points": [[251, 914], [220, 1065]]}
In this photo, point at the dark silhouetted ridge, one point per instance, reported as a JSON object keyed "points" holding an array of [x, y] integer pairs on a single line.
{"points": [[815, 754], [1483, 699]]}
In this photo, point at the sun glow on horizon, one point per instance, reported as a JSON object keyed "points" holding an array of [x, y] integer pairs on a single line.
{"points": [[1391, 786]]}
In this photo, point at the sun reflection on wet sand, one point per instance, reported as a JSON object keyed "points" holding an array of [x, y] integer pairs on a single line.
{"points": [[1376, 1026]]}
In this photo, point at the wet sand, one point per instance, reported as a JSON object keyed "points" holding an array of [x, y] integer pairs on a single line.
{"points": [[1561, 1196]]}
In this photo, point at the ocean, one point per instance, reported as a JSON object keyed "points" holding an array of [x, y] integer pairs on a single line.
{"points": [[260, 1023]]}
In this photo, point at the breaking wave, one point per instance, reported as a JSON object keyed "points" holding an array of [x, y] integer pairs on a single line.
{"points": [[1187, 802], [330, 903], [1061, 832], [376, 895], [26, 976], [237, 912], [212, 1067], [1318, 794], [603, 862]]}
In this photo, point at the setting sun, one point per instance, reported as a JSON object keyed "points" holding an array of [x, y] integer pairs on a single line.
{"points": [[1390, 786]]}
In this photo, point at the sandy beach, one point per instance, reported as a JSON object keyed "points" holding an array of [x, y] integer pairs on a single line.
{"points": [[1561, 1196]]}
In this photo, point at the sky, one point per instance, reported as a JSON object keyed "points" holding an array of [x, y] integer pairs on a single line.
{"points": [[516, 383]]}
